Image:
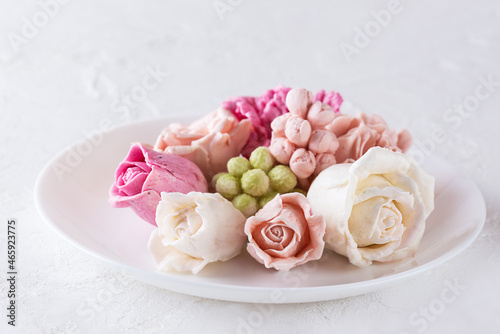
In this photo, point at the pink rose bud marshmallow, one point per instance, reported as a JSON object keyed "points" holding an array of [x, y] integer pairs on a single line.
{"points": [[145, 173]]}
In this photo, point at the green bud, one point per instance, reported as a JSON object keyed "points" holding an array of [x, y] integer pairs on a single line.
{"points": [[255, 182], [261, 158], [246, 204], [266, 198], [228, 186], [216, 177], [237, 166], [282, 179]]}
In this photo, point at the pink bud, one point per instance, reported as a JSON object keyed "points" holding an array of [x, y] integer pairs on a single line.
{"points": [[323, 161], [302, 163], [281, 149], [298, 131], [320, 114], [298, 101], [323, 141], [278, 124]]}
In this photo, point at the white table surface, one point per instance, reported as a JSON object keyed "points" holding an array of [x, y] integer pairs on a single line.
{"points": [[60, 79]]}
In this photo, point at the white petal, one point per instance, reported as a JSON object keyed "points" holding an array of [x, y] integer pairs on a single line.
{"points": [[168, 258], [332, 195], [395, 167]]}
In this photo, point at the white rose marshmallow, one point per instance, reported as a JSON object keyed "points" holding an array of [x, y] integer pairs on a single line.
{"points": [[375, 208], [195, 229]]}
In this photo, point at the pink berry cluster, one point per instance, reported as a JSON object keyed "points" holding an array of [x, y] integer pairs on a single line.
{"points": [[300, 138]]}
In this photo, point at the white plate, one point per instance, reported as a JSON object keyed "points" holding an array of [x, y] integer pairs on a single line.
{"points": [[72, 196]]}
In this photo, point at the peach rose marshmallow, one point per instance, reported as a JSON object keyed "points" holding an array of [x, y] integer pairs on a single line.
{"points": [[209, 142], [356, 135], [285, 233]]}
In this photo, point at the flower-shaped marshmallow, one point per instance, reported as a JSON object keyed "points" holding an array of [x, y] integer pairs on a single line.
{"points": [[375, 208], [145, 173], [356, 135], [285, 233], [195, 229], [260, 111], [209, 142]]}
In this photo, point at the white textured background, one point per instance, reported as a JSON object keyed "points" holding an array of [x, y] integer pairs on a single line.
{"points": [[62, 78]]}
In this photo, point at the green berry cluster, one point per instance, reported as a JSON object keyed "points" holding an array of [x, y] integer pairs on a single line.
{"points": [[251, 183]]}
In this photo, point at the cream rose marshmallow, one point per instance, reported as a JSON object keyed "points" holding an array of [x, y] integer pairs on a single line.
{"points": [[194, 230], [375, 208]]}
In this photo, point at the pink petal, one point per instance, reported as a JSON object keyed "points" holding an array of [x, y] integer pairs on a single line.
{"points": [[143, 204]]}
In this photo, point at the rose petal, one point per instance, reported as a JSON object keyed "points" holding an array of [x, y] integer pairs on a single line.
{"points": [[129, 182], [143, 204], [404, 140], [332, 98], [215, 139], [355, 143], [167, 257]]}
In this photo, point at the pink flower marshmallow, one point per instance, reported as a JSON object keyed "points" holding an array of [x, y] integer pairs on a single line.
{"points": [[209, 142], [145, 173], [356, 135], [285, 233], [332, 99], [261, 111]]}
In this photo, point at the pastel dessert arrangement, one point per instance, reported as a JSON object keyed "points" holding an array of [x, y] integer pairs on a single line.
{"points": [[282, 176]]}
